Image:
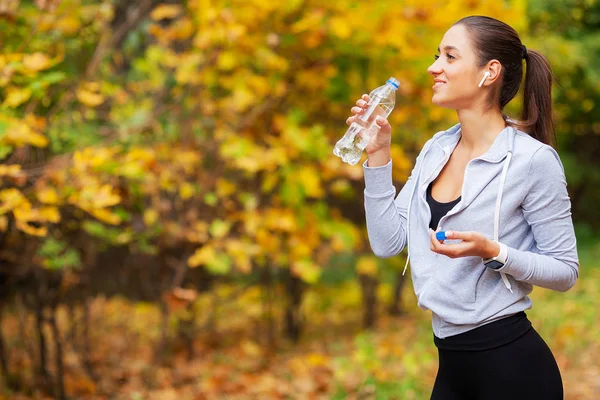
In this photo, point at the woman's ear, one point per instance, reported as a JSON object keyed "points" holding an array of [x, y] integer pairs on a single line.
{"points": [[485, 76], [492, 73]]}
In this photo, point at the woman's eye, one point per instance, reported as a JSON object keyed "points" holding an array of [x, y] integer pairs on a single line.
{"points": [[448, 56]]}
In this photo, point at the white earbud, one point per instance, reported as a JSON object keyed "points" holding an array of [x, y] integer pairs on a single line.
{"points": [[485, 76]]}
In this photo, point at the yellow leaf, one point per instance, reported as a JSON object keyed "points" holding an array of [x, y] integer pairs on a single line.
{"points": [[202, 256], [317, 359], [165, 11], [227, 61], [19, 133], [242, 252], [106, 216], [30, 230], [243, 263], [47, 195], [309, 22], [68, 25], [150, 216], [105, 197], [310, 180], [300, 249], [187, 69], [251, 349], [224, 188], [36, 61], [124, 238], [89, 98], [50, 214], [16, 96], [11, 199], [367, 265], [184, 29], [282, 220], [306, 270], [186, 190], [340, 27], [12, 170], [269, 183]]}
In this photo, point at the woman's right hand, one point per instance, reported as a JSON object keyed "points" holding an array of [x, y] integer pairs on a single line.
{"points": [[382, 139]]}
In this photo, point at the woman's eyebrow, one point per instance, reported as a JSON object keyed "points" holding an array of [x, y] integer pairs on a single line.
{"points": [[449, 48]]}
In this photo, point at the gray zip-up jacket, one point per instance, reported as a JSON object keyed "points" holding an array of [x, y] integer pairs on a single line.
{"points": [[534, 223]]}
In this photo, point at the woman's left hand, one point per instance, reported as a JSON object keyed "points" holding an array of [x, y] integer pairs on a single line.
{"points": [[473, 244]]}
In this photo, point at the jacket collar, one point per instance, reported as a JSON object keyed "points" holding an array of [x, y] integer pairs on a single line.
{"points": [[503, 143]]}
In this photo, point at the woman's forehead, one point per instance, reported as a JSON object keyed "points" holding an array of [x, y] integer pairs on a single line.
{"points": [[456, 38]]}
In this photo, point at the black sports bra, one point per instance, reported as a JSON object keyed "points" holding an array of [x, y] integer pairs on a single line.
{"points": [[438, 210]]}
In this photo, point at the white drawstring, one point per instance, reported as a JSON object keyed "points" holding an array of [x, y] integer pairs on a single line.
{"points": [[497, 213]]}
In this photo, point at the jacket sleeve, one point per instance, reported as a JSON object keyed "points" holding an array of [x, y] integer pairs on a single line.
{"points": [[553, 262], [386, 217]]}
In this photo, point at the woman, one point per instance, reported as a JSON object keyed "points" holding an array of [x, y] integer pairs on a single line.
{"points": [[500, 196]]}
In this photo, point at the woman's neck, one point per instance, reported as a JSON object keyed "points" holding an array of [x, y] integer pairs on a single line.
{"points": [[479, 129]]}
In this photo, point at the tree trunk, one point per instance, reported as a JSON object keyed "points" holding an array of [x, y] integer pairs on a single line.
{"points": [[396, 308], [87, 361], [60, 373], [369, 285], [39, 314], [267, 285], [293, 316], [24, 332], [162, 344], [3, 355], [72, 335]]}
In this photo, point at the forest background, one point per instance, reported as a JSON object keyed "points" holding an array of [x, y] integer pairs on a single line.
{"points": [[174, 225]]}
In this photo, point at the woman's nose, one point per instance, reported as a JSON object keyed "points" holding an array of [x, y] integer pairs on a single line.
{"points": [[434, 69]]}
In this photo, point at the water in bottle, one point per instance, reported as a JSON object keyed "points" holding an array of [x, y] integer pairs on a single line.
{"points": [[381, 103]]}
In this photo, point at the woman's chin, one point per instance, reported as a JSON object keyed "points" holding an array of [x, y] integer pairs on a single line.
{"points": [[440, 101]]}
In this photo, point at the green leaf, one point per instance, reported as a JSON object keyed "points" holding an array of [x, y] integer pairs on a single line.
{"points": [[211, 199], [5, 150], [220, 265]]}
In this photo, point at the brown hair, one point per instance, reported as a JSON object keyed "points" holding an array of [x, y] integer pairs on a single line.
{"points": [[495, 40]]}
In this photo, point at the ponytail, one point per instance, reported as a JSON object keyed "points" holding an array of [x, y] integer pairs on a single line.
{"points": [[536, 115]]}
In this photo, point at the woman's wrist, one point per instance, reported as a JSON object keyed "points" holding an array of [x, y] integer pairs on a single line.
{"points": [[492, 249], [378, 158]]}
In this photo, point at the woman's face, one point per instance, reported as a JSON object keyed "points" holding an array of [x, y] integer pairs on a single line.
{"points": [[455, 72]]}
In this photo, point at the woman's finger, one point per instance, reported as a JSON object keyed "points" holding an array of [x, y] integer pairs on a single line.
{"points": [[357, 110], [434, 243], [468, 236], [381, 122], [350, 120]]}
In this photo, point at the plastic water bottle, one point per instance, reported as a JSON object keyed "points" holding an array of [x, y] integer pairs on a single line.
{"points": [[357, 137]]}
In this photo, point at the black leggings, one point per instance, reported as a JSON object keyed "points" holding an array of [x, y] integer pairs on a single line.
{"points": [[523, 369]]}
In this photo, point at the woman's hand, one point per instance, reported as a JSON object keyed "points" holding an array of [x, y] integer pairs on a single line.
{"points": [[473, 244], [381, 141]]}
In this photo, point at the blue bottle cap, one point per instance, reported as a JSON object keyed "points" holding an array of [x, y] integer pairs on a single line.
{"points": [[440, 235], [394, 82]]}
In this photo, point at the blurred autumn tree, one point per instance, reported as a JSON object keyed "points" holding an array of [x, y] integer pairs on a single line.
{"points": [[568, 32], [192, 142]]}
